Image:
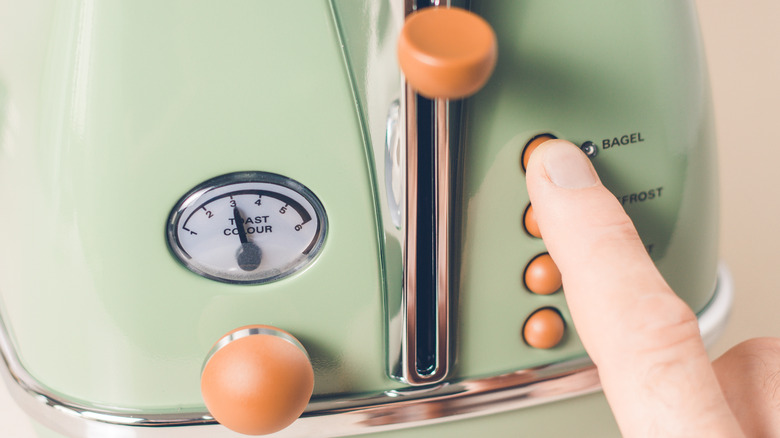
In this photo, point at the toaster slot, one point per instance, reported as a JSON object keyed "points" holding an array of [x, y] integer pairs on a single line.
{"points": [[426, 257]]}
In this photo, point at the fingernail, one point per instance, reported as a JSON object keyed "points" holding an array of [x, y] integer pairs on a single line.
{"points": [[568, 167]]}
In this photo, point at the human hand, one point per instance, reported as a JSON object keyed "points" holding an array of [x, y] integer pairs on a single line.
{"points": [[644, 340]]}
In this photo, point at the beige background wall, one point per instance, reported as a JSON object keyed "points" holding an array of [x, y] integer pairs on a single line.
{"points": [[743, 47]]}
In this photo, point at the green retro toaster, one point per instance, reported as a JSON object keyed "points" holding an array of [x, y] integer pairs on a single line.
{"points": [[310, 219]]}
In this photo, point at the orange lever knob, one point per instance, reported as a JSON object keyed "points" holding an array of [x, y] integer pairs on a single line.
{"points": [[257, 380], [447, 52]]}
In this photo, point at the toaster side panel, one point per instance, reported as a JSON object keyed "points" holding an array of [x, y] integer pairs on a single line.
{"points": [[627, 77], [137, 103]]}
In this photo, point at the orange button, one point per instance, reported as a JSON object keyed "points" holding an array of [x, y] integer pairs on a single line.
{"points": [[542, 275], [258, 381], [531, 146], [529, 222], [446, 52], [544, 329]]}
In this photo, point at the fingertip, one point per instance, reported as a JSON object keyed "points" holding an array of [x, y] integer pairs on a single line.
{"points": [[563, 164], [563, 185]]}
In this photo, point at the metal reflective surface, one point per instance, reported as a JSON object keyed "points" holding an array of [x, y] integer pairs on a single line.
{"points": [[251, 331], [344, 416]]}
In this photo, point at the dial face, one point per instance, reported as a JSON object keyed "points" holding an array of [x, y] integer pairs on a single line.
{"points": [[247, 227]]}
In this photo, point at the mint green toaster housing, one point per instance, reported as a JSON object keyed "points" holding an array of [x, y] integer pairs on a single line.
{"points": [[111, 111]]}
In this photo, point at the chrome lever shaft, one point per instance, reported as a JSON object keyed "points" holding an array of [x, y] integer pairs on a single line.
{"points": [[426, 306]]}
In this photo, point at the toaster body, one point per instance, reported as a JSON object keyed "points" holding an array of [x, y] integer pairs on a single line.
{"points": [[114, 114]]}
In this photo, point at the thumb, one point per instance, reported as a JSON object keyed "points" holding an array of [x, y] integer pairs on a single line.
{"points": [[644, 340]]}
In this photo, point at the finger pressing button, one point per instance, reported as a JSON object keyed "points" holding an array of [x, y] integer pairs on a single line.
{"points": [[531, 146]]}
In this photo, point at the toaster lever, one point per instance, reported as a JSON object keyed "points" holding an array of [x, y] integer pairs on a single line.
{"points": [[445, 53]]}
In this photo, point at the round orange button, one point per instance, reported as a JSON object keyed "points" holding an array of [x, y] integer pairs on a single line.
{"points": [[258, 381], [531, 146], [542, 275], [544, 329], [446, 53], [529, 222]]}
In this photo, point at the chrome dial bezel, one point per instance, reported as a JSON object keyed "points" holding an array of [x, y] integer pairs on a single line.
{"points": [[218, 187]]}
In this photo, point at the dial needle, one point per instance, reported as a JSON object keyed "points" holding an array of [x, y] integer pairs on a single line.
{"points": [[248, 255], [239, 225]]}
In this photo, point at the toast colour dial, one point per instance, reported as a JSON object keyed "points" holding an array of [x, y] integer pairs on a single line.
{"points": [[247, 227]]}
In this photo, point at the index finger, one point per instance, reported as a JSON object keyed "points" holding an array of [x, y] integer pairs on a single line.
{"points": [[644, 340]]}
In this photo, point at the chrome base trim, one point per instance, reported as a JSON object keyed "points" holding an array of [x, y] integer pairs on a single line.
{"points": [[415, 406], [713, 318]]}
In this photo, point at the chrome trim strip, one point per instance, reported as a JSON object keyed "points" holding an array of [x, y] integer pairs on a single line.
{"points": [[443, 238], [408, 368], [712, 319], [343, 416]]}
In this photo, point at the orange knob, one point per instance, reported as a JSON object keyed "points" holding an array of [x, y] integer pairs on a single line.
{"points": [[447, 52], [544, 329], [542, 275], [257, 380]]}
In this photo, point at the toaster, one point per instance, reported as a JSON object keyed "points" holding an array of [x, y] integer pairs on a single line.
{"points": [[288, 218]]}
